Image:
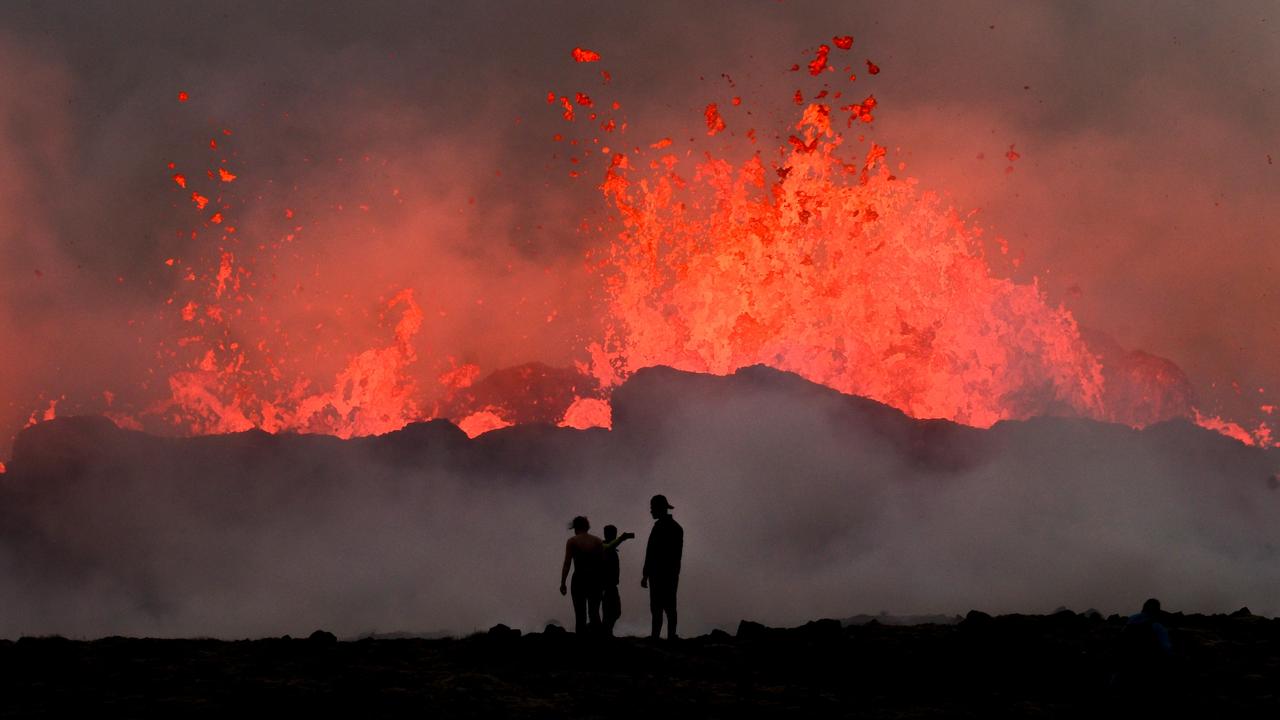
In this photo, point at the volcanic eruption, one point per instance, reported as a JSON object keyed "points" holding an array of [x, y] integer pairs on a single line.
{"points": [[340, 337], [817, 256]]}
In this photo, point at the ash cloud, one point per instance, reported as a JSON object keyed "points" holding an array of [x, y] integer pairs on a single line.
{"points": [[797, 503]]}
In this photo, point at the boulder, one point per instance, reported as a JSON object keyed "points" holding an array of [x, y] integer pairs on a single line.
{"points": [[322, 637]]}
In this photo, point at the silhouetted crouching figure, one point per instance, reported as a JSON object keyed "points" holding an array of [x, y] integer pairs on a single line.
{"points": [[585, 552], [611, 602], [661, 572], [1145, 659]]}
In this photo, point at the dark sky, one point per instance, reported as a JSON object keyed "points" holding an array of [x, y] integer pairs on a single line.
{"points": [[1144, 198]]}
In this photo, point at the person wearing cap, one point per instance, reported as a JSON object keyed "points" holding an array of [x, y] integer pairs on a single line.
{"points": [[661, 574]]}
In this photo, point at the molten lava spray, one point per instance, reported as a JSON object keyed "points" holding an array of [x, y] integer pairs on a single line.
{"points": [[840, 272], [826, 263], [817, 256]]}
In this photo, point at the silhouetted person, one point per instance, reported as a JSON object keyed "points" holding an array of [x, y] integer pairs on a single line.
{"points": [[611, 601], [661, 572], [585, 552], [1145, 657], [1146, 635]]}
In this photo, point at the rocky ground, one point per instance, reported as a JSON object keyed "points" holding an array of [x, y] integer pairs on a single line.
{"points": [[1060, 665]]}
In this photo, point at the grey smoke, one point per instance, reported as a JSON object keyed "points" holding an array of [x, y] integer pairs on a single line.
{"points": [[797, 503]]}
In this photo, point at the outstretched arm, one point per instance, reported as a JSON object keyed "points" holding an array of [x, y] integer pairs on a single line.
{"points": [[618, 540], [564, 570]]}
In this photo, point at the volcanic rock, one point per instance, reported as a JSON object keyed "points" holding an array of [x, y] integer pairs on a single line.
{"points": [[825, 629], [748, 630], [1013, 665], [1139, 388], [719, 636], [529, 393], [503, 632], [654, 399], [322, 637]]}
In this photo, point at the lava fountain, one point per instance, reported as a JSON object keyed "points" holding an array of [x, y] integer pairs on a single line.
{"points": [[825, 262], [841, 272], [816, 257]]}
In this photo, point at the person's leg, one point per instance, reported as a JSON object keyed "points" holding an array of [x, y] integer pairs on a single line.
{"points": [[655, 607], [579, 609], [671, 608], [612, 609], [593, 610]]}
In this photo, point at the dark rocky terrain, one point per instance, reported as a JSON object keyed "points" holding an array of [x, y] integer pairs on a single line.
{"points": [[1059, 665]]}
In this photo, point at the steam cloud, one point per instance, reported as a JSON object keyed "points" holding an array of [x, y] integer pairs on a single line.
{"points": [[797, 502]]}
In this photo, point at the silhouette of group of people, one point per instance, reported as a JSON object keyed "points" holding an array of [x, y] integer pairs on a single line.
{"points": [[597, 572], [1145, 646]]}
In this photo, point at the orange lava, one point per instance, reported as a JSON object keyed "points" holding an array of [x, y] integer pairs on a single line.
{"points": [[1232, 430], [860, 111], [715, 123], [588, 412], [816, 257], [479, 423], [374, 394], [819, 62], [828, 264], [838, 271]]}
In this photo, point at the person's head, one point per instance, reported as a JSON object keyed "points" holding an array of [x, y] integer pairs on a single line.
{"points": [[580, 524], [610, 533], [658, 506], [1151, 607]]}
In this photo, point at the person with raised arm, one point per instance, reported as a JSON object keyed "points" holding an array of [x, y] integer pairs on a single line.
{"points": [[611, 601]]}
